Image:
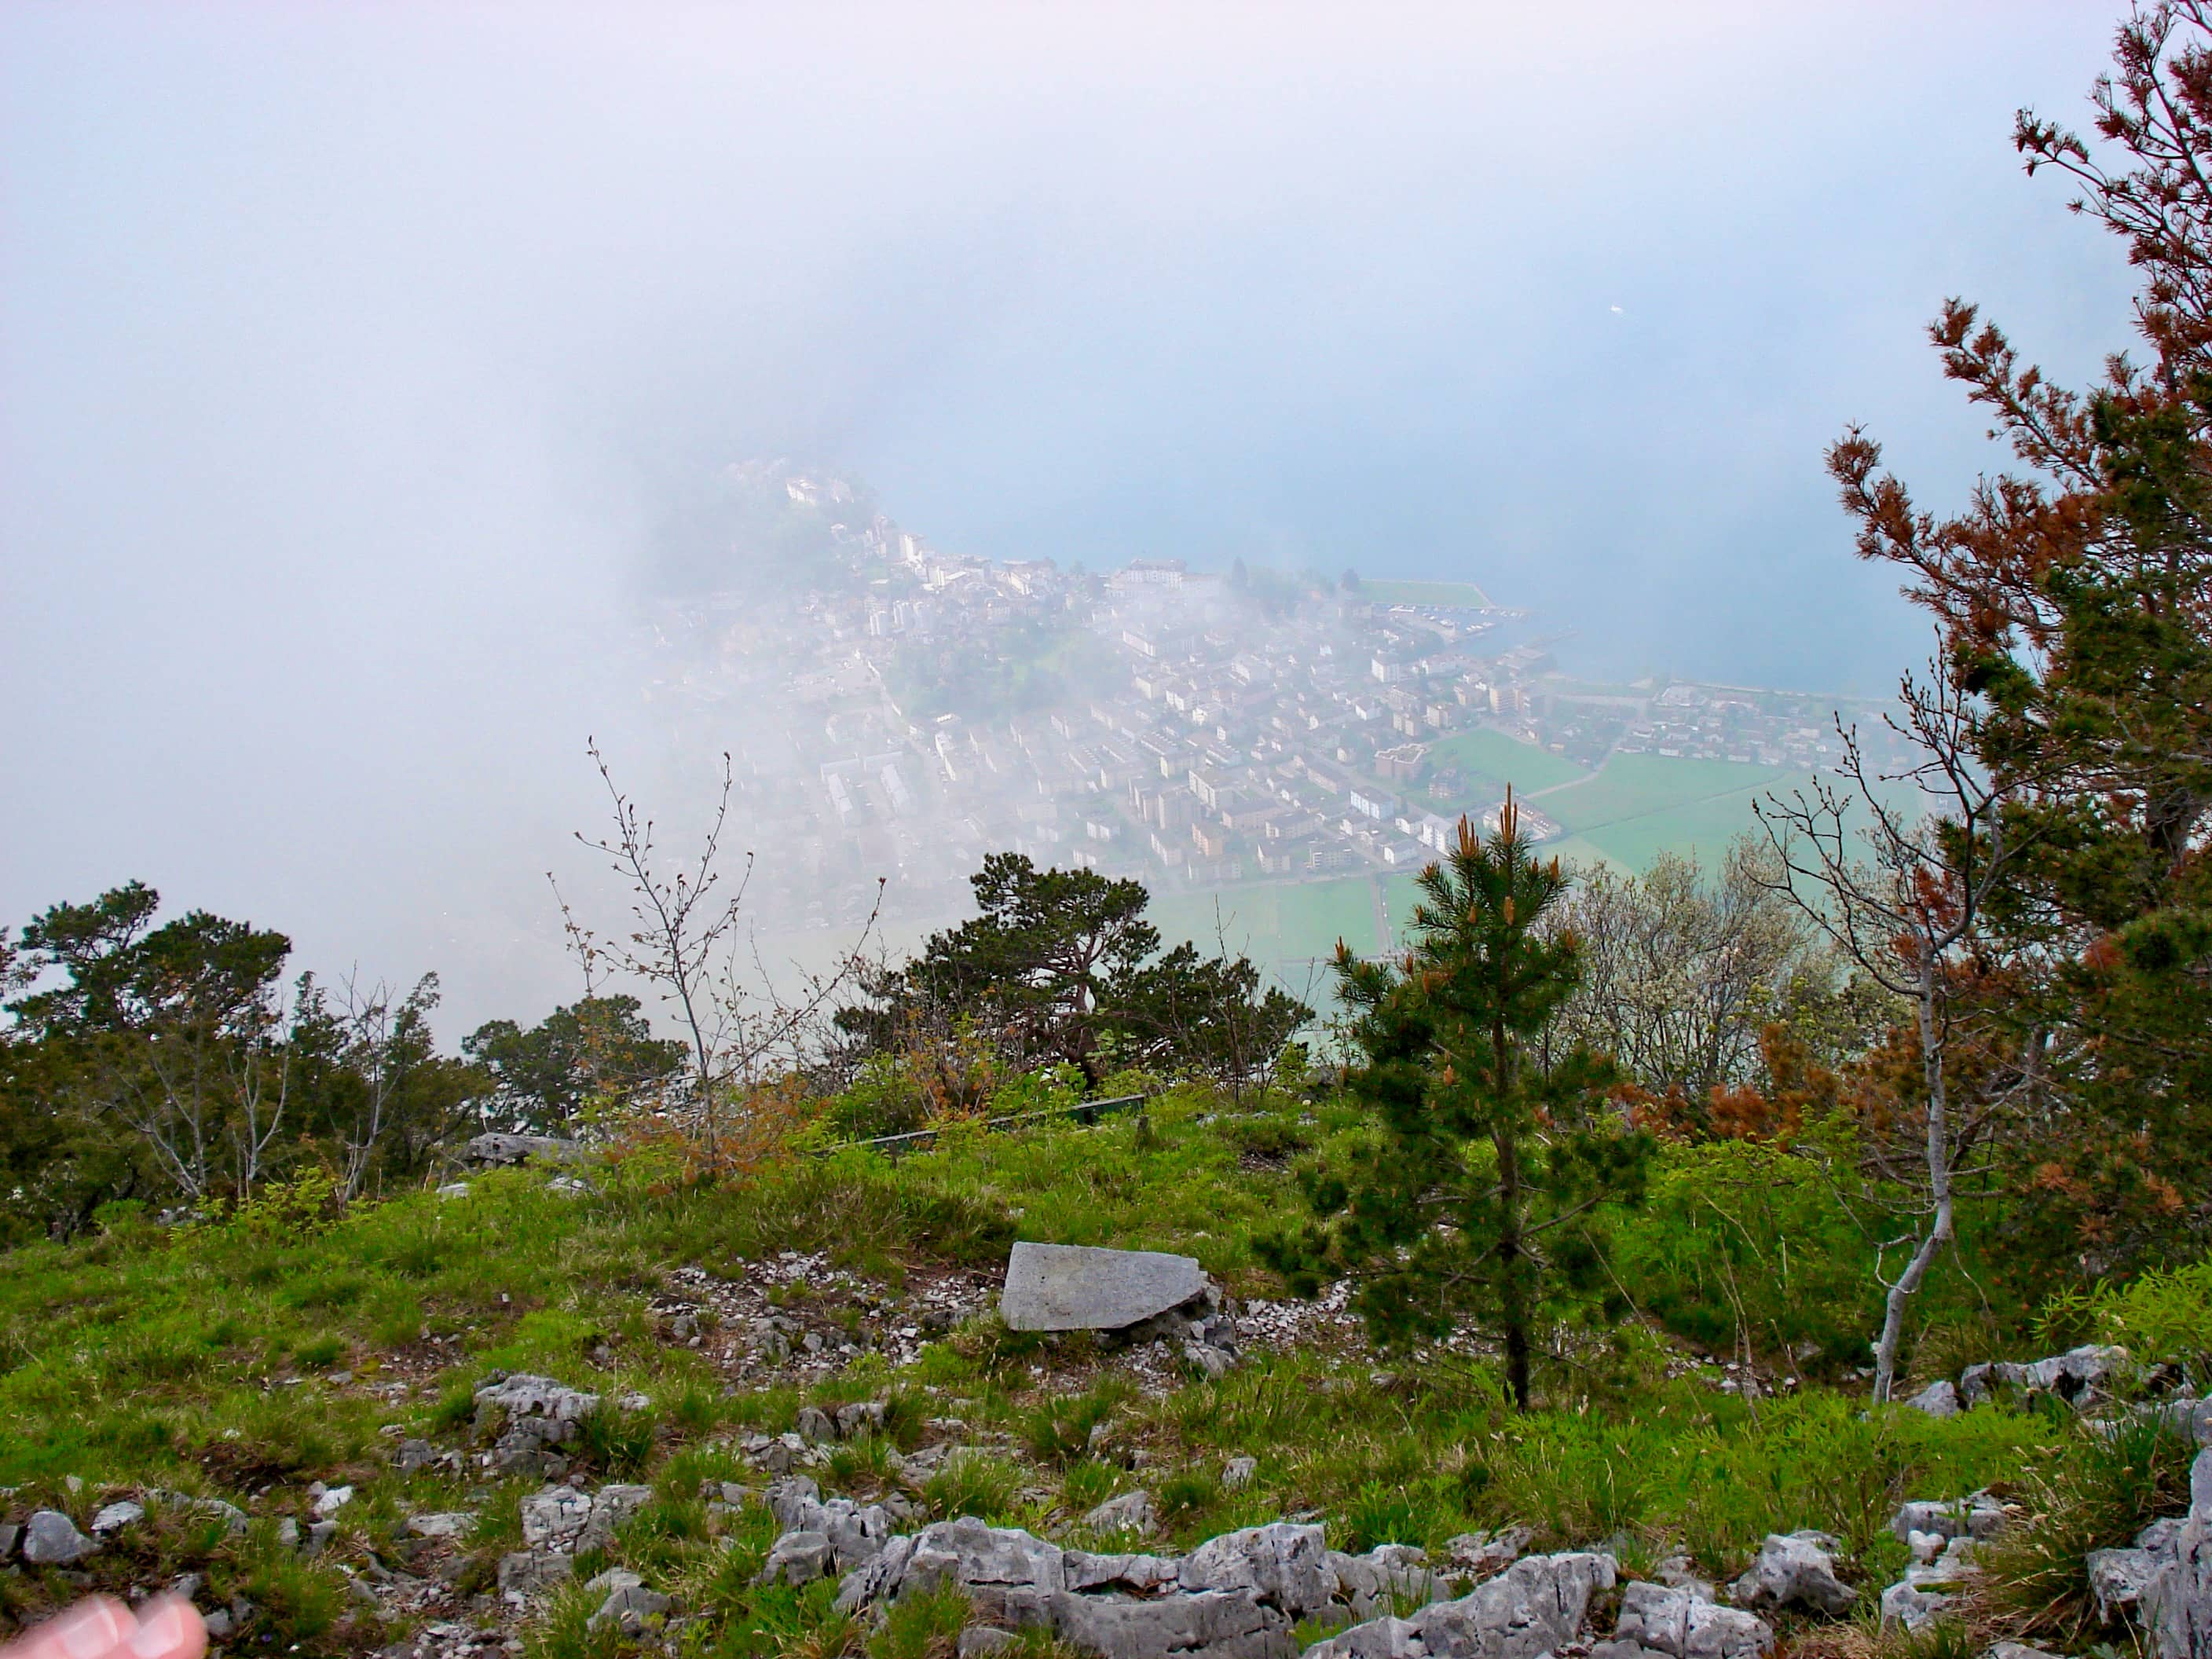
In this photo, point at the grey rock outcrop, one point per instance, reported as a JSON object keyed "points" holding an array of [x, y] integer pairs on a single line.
{"points": [[611, 1505], [493, 1150], [1906, 1605], [627, 1605], [1978, 1515], [1129, 1511], [1388, 1576], [1485, 1554], [1535, 1606], [852, 1534], [50, 1540], [1077, 1287], [554, 1519], [2190, 1418], [799, 1557], [537, 1416], [2079, 1376], [1796, 1568], [1143, 1575], [1236, 1597], [1938, 1399], [2178, 1602], [527, 1573], [113, 1517], [1283, 1564], [1681, 1624]]}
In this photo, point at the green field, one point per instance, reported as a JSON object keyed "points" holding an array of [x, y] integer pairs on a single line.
{"points": [[1635, 785], [1626, 814], [1508, 760], [1285, 926], [1464, 595]]}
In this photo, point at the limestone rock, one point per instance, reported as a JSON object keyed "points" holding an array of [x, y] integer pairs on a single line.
{"points": [[799, 1557], [1130, 1512], [1220, 1623], [448, 1523], [1142, 1574], [1685, 1626], [1794, 1569], [494, 1149], [2078, 1376], [1239, 1473], [629, 1607], [1535, 1606], [123, 1512], [611, 1505], [554, 1518], [1074, 1287], [1388, 1577], [531, 1572], [855, 1533], [50, 1540], [1906, 1605], [1281, 1564], [2178, 1602], [1938, 1399], [1977, 1515], [1485, 1554]]}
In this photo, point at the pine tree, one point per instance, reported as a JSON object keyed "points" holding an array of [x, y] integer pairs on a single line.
{"points": [[1476, 1199]]}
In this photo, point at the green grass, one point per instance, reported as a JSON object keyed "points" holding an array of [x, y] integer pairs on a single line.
{"points": [[200, 1361], [1634, 786], [1281, 923], [1494, 755], [1701, 829], [1466, 595]]}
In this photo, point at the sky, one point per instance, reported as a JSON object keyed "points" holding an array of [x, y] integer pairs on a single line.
{"points": [[349, 356]]}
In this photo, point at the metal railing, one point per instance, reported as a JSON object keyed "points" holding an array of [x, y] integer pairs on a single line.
{"points": [[1083, 1111]]}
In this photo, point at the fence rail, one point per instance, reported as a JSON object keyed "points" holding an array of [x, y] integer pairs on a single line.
{"points": [[1084, 1111]]}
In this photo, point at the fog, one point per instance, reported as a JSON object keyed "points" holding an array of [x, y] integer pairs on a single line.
{"points": [[352, 358]]}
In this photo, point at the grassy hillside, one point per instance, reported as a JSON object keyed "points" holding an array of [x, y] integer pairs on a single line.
{"points": [[245, 1361]]}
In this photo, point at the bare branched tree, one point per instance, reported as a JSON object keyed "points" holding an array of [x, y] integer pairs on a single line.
{"points": [[1908, 910], [206, 1091], [382, 1042], [686, 940]]}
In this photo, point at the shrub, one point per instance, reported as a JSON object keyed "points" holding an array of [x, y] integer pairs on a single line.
{"points": [[2163, 1314], [2035, 1581]]}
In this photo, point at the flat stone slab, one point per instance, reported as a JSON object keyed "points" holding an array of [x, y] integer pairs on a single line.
{"points": [[1077, 1287]]}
